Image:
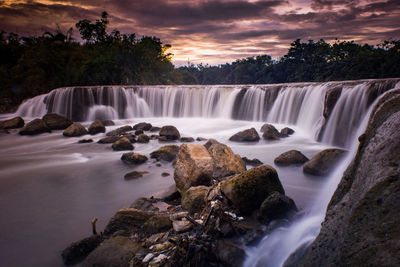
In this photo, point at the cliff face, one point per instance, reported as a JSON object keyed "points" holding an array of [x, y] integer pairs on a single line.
{"points": [[362, 223]]}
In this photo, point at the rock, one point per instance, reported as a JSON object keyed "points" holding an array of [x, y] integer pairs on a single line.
{"points": [[285, 132], [229, 254], [148, 258], [108, 139], [225, 161], [163, 139], [153, 137], [270, 132], [161, 247], [186, 139], [127, 220], [210, 142], [194, 199], [182, 226], [276, 206], [155, 129], [291, 157], [143, 138], [324, 162], [201, 139], [97, 127], [249, 189], [131, 137], [74, 130], [138, 132], [170, 132], [116, 251], [331, 97], [361, 226], [122, 144], [165, 174], [120, 131], [13, 123], [170, 194], [158, 261], [249, 135], [77, 251], [108, 123], [193, 167], [85, 141], [144, 126], [37, 126], [166, 153], [134, 175], [252, 162], [56, 121], [157, 224], [145, 204], [133, 158]]}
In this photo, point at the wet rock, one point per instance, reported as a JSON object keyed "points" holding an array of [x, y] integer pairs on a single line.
{"points": [[201, 139], [155, 129], [37, 126], [122, 144], [77, 251], [97, 127], [225, 161], [116, 251], [186, 139], [120, 131], [270, 132], [171, 194], [157, 224], [139, 132], [194, 199], [210, 142], [134, 175], [249, 135], [170, 132], [193, 167], [166, 153], [108, 123], [131, 137], [133, 158], [249, 189], [158, 261], [291, 157], [74, 130], [145, 204], [285, 132], [144, 126], [13, 123], [331, 97], [252, 162], [56, 121], [143, 138], [108, 139], [165, 174], [85, 141], [182, 226], [324, 162], [229, 253], [277, 206], [127, 220]]}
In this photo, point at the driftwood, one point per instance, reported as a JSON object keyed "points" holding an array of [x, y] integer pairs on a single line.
{"points": [[94, 220]]}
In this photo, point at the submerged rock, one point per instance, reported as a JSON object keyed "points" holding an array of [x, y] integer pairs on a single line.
{"points": [[134, 175], [249, 135], [56, 121], [170, 132], [74, 130], [122, 144], [291, 157], [120, 130], [133, 158], [108, 139], [97, 127], [85, 141], [166, 153], [78, 251], [324, 162], [186, 139], [270, 132], [13, 123], [37, 126]]}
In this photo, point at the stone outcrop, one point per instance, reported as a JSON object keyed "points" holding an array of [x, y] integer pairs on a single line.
{"points": [[291, 157], [324, 162], [74, 130], [97, 127], [169, 132], [37, 126], [56, 122], [166, 153], [225, 161], [249, 135], [13, 123]]}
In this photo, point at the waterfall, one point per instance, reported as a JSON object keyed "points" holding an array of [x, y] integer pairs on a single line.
{"points": [[301, 104]]}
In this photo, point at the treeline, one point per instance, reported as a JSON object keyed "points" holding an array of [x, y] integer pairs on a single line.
{"points": [[34, 65], [309, 61]]}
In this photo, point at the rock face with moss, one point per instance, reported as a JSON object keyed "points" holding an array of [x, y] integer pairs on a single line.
{"points": [[361, 227]]}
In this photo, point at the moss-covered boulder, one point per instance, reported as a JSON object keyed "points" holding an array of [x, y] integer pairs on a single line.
{"points": [[56, 122], [143, 138], [133, 158], [249, 189], [225, 161], [291, 157], [276, 206], [249, 135], [122, 144], [13, 123], [97, 127], [166, 153], [194, 199], [324, 162], [157, 224], [78, 251], [37, 126], [74, 130]]}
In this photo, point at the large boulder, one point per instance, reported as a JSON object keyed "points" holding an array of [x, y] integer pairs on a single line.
{"points": [[166, 153], [116, 251], [144, 126], [194, 199], [97, 127], [291, 157], [249, 189], [37, 126], [276, 206], [77, 251], [249, 135], [157, 224], [13, 123], [170, 132], [361, 226], [56, 121], [193, 167], [74, 130], [127, 220], [120, 131], [133, 158], [324, 162], [225, 161], [270, 132], [122, 144]]}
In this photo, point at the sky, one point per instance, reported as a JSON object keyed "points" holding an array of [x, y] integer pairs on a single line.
{"points": [[216, 32]]}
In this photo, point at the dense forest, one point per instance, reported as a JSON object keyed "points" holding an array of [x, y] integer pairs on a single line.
{"points": [[34, 65]]}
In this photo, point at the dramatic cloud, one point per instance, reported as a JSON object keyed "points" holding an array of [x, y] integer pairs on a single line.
{"points": [[216, 32]]}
